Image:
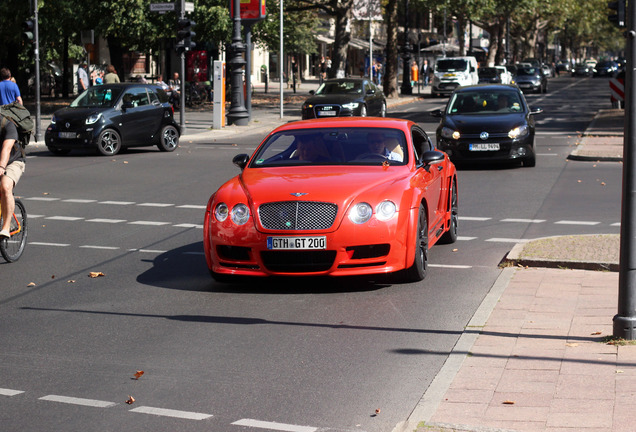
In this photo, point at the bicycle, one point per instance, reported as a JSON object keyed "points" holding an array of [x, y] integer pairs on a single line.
{"points": [[12, 248]]}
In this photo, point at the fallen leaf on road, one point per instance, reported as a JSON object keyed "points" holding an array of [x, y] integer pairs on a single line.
{"points": [[31, 284], [508, 402], [71, 281], [572, 344], [130, 400], [377, 411], [596, 333], [602, 183], [138, 374], [95, 274], [455, 250]]}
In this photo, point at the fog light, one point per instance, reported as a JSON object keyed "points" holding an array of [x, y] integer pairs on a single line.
{"points": [[522, 151]]}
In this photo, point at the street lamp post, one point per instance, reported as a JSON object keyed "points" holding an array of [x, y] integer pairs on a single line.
{"points": [[406, 54], [237, 114]]}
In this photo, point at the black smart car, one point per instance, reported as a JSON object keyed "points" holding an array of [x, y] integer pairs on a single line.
{"points": [[345, 97], [487, 123], [114, 116]]}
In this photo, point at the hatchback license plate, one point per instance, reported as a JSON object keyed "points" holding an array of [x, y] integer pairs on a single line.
{"points": [[296, 243], [484, 147], [327, 113], [67, 135]]}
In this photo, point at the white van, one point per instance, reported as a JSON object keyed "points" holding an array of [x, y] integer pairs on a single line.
{"points": [[452, 72]]}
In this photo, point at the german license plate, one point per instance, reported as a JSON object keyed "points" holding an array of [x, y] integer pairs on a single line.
{"points": [[296, 243], [484, 147], [326, 113], [67, 135]]}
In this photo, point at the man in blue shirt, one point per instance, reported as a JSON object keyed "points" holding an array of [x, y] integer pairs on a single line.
{"points": [[9, 91]]}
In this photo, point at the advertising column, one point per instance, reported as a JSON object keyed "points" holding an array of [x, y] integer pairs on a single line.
{"points": [[218, 108]]}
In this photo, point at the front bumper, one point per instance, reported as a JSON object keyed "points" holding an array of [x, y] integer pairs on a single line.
{"points": [[509, 150], [81, 138]]}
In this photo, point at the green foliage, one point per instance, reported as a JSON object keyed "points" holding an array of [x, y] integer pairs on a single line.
{"points": [[299, 30]]}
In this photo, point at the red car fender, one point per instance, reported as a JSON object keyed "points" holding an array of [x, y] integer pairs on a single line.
{"points": [[206, 232]]}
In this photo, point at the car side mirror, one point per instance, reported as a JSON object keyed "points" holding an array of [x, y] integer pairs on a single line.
{"points": [[536, 110], [370, 91], [241, 160], [432, 157], [435, 113]]}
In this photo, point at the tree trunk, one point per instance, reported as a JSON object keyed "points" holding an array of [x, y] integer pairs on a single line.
{"points": [[342, 39], [117, 56], [389, 82]]}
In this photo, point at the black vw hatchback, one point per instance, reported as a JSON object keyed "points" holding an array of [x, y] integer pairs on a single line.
{"points": [[487, 123], [114, 116]]}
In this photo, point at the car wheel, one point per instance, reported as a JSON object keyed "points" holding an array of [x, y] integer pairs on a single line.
{"points": [[108, 142], [530, 161], [450, 236], [417, 271], [383, 110], [363, 111], [59, 151], [169, 139]]}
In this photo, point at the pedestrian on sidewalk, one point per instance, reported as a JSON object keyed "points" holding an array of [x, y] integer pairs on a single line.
{"points": [[82, 78], [111, 76], [9, 90]]}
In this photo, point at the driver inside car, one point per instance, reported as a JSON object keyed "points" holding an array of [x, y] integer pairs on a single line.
{"points": [[377, 146]]}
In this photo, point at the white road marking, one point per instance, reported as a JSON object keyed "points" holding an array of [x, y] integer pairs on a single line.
{"points": [[523, 220], [616, 224], [49, 244], [274, 426], [64, 218], [507, 240], [42, 199], [451, 266], [465, 238], [171, 413], [473, 218], [99, 247], [147, 250], [78, 401], [569, 222], [116, 202], [152, 223], [9, 392], [112, 221], [34, 216], [190, 206], [188, 225], [155, 205], [79, 201]]}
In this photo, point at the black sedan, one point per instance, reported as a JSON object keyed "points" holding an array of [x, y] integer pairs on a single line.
{"points": [[484, 123], [582, 69], [114, 116], [606, 69], [531, 78], [345, 97]]}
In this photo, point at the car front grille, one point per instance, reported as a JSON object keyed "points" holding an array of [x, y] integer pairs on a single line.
{"points": [[297, 215]]}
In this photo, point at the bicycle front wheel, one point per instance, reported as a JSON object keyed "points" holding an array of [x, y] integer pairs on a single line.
{"points": [[12, 248]]}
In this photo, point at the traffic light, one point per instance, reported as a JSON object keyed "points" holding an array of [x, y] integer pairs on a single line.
{"points": [[185, 35], [28, 26], [618, 17]]}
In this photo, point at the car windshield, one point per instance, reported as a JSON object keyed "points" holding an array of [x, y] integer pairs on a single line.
{"points": [[340, 87], [485, 102], [451, 65], [488, 72], [97, 96], [527, 71], [335, 146]]}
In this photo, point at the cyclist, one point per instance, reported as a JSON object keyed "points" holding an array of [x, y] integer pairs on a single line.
{"points": [[12, 165]]}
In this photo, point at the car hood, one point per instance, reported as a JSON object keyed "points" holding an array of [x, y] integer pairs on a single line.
{"points": [[500, 123], [324, 184], [336, 99], [75, 113]]}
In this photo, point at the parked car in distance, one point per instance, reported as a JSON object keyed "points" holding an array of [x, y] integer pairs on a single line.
{"points": [[487, 123], [452, 72], [333, 197], [506, 75], [494, 75], [110, 117], [563, 66], [582, 69], [531, 78], [606, 69], [547, 70], [345, 97]]}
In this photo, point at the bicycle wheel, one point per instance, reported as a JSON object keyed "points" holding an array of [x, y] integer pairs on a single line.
{"points": [[13, 247]]}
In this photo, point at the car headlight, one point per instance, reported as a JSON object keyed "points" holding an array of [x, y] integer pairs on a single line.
{"points": [[221, 212], [93, 118], [518, 132], [240, 214], [360, 213], [308, 106], [351, 105], [385, 210], [450, 133]]}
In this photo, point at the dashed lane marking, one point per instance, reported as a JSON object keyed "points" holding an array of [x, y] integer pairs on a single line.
{"points": [[49, 244], [155, 205], [171, 413], [274, 426], [465, 238], [474, 218], [190, 206], [78, 401], [152, 223], [456, 266], [570, 222], [116, 202], [111, 221], [9, 392], [523, 220], [507, 240], [64, 218], [79, 201], [100, 247]]}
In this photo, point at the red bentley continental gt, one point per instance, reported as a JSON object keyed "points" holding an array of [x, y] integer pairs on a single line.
{"points": [[336, 197]]}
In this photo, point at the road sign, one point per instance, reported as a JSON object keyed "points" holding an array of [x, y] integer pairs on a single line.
{"points": [[161, 7], [189, 7]]}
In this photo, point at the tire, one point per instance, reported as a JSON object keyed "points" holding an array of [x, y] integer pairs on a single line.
{"points": [[383, 110], [59, 151], [168, 139], [108, 143], [363, 111], [417, 271], [12, 248], [450, 236], [530, 161]]}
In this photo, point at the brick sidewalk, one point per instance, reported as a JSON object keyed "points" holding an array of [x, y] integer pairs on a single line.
{"points": [[541, 362]]}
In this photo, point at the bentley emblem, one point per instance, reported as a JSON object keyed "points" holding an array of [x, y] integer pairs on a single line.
{"points": [[484, 136], [298, 194]]}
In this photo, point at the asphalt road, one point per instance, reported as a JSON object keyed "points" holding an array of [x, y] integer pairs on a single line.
{"points": [[301, 355]]}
